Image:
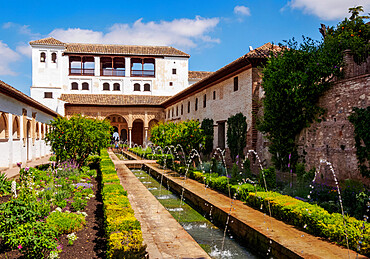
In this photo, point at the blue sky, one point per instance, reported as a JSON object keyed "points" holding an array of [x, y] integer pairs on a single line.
{"points": [[214, 32]]}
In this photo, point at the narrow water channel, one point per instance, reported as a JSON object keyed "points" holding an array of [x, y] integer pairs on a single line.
{"points": [[206, 234]]}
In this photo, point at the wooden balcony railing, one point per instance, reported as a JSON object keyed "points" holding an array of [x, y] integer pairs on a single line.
{"points": [[83, 71], [142, 73], [112, 72]]}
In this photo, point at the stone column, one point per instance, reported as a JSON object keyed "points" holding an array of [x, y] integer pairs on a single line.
{"points": [[129, 135], [127, 67], [97, 66], [146, 136]]}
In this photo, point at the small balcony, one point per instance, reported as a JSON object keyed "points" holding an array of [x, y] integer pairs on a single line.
{"points": [[81, 71], [142, 73], [112, 72]]}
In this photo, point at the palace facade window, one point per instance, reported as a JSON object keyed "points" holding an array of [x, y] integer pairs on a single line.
{"points": [[174, 71], [147, 87], [54, 57], [236, 84], [188, 107], [214, 95], [74, 86], [106, 87], [42, 57], [80, 65], [182, 109], [112, 66], [142, 67], [48, 95], [196, 104], [85, 86], [137, 87], [204, 101], [116, 87]]}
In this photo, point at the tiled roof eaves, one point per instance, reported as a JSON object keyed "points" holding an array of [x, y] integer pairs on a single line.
{"points": [[18, 95], [112, 100]]}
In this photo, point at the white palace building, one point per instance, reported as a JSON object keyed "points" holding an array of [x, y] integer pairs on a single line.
{"points": [[132, 86]]}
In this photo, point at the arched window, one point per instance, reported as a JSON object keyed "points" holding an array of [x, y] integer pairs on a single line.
{"points": [[42, 57], [16, 130], [116, 87], [54, 57], [85, 86], [136, 87], [106, 87], [74, 86], [147, 87], [3, 126]]}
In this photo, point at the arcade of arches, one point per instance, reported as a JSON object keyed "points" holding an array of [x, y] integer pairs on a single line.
{"points": [[133, 124]]}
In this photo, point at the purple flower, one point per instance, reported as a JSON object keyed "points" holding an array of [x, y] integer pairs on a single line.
{"points": [[19, 164], [27, 169], [20, 247], [289, 165], [290, 155], [228, 176]]}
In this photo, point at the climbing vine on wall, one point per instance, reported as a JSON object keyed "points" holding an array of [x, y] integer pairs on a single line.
{"points": [[295, 78], [360, 118]]}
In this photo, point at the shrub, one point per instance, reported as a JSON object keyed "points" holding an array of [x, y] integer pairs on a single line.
{"points": [[4, 184], [77, 137], [34, 239], [270, 177], [313, 219], [79, 204], [126, 244], [236, 135], [65, 223]]}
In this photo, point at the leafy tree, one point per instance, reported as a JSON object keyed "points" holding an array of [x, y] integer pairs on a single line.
{"points": [[236, 135], [77, 137], [207, 127], [188, 134], [295, 78]]}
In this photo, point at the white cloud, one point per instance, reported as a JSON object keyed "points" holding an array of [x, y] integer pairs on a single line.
{"points": [[7, 56], [21, 29], [185, 33], [328, 9], [25, 50], [242, 10]]}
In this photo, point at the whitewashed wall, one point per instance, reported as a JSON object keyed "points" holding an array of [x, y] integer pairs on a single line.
{"points": [[13, 149]]}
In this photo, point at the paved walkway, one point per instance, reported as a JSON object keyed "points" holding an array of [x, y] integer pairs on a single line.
{"points": [[301, 243], [164, 236], [14, 172]]}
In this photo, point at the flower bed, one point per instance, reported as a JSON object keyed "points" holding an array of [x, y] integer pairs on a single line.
{"points": [[49, 204], [122, 228]]}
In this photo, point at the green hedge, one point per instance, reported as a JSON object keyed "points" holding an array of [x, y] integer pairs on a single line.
{"points": [[122, 228], [314, 219]]}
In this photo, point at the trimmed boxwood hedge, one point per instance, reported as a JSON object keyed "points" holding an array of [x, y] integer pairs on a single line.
{"points": [[121, 227]]}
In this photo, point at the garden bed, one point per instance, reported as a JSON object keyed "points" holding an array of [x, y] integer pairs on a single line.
{"points": [[91, 241]]}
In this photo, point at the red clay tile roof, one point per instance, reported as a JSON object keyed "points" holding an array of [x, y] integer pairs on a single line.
{"points": [[18, 95], [47, 41], [264, 51], [112, 48], [124, 49], [198, 74], [112, 99]]}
